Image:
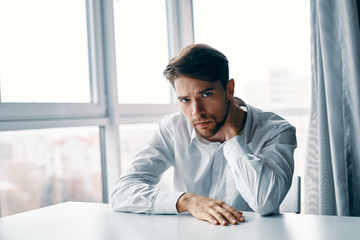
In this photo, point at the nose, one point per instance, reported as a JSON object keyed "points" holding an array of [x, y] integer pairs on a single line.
{"points": [[198, 110]]}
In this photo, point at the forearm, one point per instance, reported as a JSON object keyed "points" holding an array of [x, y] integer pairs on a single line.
{"points": [[261, 187], [131, 197], [138, 197], [262, 181]]}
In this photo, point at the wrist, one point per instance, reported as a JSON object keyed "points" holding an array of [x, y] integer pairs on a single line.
{"points": [[183, 202], [235, 127], [231, 133]]}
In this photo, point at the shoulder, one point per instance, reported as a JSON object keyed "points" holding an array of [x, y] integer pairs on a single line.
{"points": [[269, 122]]}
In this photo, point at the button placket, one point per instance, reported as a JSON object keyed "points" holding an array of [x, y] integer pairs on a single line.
{"points": [[218, 163]]}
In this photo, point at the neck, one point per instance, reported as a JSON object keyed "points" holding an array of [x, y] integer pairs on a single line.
{"points": [[218, 137]]}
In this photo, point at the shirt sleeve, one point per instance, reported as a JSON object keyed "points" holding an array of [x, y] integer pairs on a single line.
{"points": [[136, 191], [263, 176]]}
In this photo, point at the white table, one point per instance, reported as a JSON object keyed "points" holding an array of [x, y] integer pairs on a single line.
{"points": [[87, 221]]}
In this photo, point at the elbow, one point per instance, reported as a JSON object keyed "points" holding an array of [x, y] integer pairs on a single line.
{"points": [[269, 203], [114, 202], [118, 198], [267, 206], [120, 204], [126, 200], [266, 209]]}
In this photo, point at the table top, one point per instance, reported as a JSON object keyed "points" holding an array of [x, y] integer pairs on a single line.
{"points": [[75, 220]]}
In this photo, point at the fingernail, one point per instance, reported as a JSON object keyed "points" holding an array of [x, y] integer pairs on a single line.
{"points": [[234, 221], [242, 219]]}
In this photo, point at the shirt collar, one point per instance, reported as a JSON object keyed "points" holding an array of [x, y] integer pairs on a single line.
{"points": [[245, 132], [195, 137]]}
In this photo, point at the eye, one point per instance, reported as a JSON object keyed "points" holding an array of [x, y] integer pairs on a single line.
{"points": [[207, 94], [184, 100]]}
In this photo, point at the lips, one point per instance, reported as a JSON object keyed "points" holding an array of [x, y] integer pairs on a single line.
{"points": [[202, 124]]}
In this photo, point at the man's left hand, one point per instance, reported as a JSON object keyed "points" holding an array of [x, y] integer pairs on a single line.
{"points": [[234, 122]]}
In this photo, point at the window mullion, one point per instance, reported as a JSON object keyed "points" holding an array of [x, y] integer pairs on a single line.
{"points": [[180, 25], [180, 28], [110, 135]]}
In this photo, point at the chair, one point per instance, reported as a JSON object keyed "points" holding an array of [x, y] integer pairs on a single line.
{"points": [[291, 202]]}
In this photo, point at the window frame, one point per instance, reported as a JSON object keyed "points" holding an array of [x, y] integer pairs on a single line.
{"points": [[45, 111]]}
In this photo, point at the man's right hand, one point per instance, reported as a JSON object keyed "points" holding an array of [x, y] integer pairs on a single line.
{"points": [[207, 209]]}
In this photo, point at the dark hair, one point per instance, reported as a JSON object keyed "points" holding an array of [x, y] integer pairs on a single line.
{"points": [[199, 61]]}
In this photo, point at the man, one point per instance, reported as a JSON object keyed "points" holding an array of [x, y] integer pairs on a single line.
{"points": [[227, 155]]}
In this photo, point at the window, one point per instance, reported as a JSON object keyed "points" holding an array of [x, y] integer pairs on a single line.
{"points": [[43, 167], [57, 72], [141, 51], [269, 60], [144, 95], [44, 55], [268, 47], [51, 91]]}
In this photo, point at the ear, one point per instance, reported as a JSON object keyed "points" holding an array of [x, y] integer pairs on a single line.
{"points": [[230, 89]]}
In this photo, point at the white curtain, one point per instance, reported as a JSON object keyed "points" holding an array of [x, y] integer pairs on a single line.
{"points": [[332, 179]]}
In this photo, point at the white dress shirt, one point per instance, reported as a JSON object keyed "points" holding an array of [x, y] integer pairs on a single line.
{"points": [[251, 171]]}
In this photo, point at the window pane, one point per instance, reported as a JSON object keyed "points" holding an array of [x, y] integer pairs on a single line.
{"points": [[141, 51], [43, 167], [132, 140], [44, 51], [267, 44]]}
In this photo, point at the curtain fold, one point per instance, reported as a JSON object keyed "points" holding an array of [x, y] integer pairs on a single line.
{"points": [[332, 178]]}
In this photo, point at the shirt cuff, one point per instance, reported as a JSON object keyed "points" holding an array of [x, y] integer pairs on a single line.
{"points": [[165, 202]]}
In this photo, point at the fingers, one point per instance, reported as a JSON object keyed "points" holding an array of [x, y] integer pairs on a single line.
{"points": [[237, 214], [219, 217], [208, 217], [223, 214], [226, 214]]}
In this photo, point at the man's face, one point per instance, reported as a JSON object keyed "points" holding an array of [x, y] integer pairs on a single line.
{"points": [[205, 104]]}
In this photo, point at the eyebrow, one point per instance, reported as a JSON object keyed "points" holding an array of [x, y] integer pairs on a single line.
{"points": [[206, 90], [201, 92]]}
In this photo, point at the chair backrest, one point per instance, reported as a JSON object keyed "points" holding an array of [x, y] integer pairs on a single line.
{"points": [[291, 202]]}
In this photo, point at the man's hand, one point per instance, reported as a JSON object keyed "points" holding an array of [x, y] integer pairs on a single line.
{"points": [[234, 122], [211, 210]]}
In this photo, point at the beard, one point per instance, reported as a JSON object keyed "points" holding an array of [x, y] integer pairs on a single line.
{"points": [[217, 124]]}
